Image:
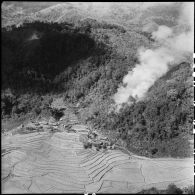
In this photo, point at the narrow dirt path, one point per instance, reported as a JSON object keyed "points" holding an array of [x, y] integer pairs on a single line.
{"points": [[51, 159]]}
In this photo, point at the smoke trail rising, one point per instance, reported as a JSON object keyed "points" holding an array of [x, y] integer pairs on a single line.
{"points": [[174, 43]]}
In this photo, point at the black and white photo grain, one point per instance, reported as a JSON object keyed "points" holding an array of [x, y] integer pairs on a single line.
{"points": [[97, 97]]}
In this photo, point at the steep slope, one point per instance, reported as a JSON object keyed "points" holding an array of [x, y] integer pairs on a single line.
{"points": [[84, 59], [75, 54]]}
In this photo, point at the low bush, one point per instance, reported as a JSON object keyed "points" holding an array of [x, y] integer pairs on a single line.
{"points": [[87, 145], [150, 191], [57, 114], [189, 190], [171, 189]]}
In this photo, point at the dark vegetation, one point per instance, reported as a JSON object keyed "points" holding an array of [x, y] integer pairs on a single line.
{"points": [[34, 63], [86, 63], [57, 114], [171, 189], [161, 124], [30, 105], [30, 67]]}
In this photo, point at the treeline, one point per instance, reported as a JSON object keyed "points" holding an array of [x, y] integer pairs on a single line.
{"points": [[171, 189], [160, 125], [94, 24], [30, 105]]}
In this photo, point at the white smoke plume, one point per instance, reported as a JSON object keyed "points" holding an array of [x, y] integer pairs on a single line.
{"points": [[154, 63], [162, 33]]}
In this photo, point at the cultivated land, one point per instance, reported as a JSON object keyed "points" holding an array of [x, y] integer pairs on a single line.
{"points": [[67, 68], [46, 157]]}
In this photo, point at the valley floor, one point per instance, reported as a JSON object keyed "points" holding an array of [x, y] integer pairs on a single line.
{"points": [[51, 159]]}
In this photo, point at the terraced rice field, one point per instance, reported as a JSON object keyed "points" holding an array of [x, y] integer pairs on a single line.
{"points": [[56, 162]]}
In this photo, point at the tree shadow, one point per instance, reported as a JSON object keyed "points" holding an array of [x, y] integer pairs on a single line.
{"points": [[32, 64]]}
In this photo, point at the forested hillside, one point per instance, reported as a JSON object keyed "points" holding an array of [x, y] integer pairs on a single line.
{"points": [[85, 62]]}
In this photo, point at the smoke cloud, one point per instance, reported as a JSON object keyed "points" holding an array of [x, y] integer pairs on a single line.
{"points": [[153, 63], [162, 33], [173, 45]]}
